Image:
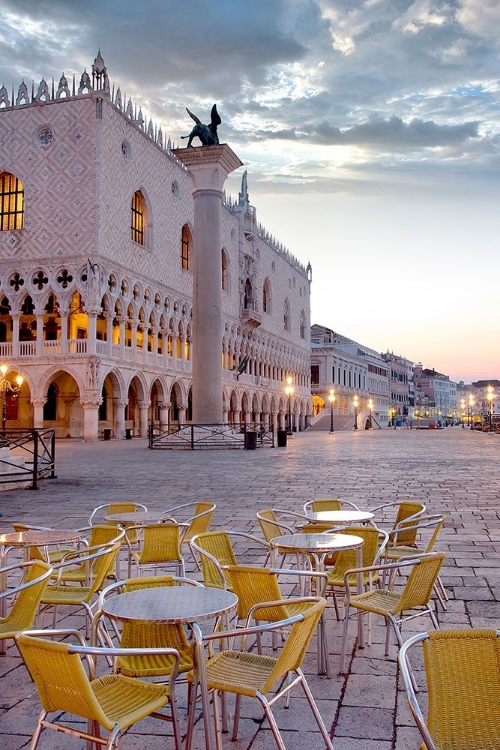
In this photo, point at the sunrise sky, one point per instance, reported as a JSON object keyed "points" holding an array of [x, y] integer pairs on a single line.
{"points": [[370, 131]]}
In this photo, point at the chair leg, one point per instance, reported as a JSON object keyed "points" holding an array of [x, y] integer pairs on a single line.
{"points": [[314, 709], [344, 640], [192, 696], [236, 722], [272, 721], [38, 730], [388, 635]]}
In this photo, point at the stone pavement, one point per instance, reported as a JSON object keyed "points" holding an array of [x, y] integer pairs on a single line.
{"points": [[453, 471]]}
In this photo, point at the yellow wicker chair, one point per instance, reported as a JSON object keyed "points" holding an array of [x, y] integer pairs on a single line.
{"points": [[463, 682], [114, 508], [150, 634], [272, 525], [28, 595], [100, 536], [159, 544], [215, 549], [390, 604], [316, 506], [374, 542], [197, 523], [113, 702], [396, 551], [254, 675], [408, 511], [256, 586], [100, 564]]}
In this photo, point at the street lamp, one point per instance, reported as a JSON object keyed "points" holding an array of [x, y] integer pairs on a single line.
{"points": [[7, 387], [370, 406], [392, 412], [470, 410], [331, 399], [416, 413], [355, 403], [289, 389], [490, 398], [462, 404]]}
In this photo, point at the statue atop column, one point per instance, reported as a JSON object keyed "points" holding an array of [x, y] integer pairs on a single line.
{"points": [[206, 133]]}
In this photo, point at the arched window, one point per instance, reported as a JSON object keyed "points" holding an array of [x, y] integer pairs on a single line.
{"points": [[186, 248], [224, 270], [286, 316], [11, 202], [139, 218], [249, 303], [266, 296], [302, 325]]}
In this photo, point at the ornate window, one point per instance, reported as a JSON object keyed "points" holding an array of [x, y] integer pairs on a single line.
{"points": [[266, 296], [286, 316], [225, 279], [11, 202], [139, 218], [186, 247]]}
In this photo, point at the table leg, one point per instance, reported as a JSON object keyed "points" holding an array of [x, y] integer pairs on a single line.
{"points": [[202, 677], [361, 629]]}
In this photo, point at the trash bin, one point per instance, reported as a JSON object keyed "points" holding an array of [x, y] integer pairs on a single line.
{"points": [[128, 433], [281, 438], [250, 440], [107, 433]]}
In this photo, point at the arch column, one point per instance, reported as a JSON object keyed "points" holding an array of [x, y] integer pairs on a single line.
{"points": [[154, 331], [120, 405], [164, 409], [274, 420], [209, 167], [38, 404], [122, 322], [63, 341], [91, 418], [182, 414], [109, 332], [39, 334], [143, 417], [92, 332], [15, 333], [236, 417]]}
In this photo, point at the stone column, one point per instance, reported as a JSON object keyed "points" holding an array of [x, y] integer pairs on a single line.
{"points": [[91, 335], [120, 418], [208, 167], [63, 341], [91, 418], [182, 415], [164, 408], [154, 331], [39, 334], [109, 332], [143, 417], [123, 322], [38, 404], [15, 333]]}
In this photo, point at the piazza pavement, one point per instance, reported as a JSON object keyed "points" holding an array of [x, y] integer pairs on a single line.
{"points": [[453, 471]]}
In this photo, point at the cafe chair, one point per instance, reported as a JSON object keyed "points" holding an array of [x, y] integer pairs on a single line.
{"points": [[414, 597], [100, 536], [271, 525], [260, 599], [146, 635], [27, 596], [374, 543], [316, 506], [114, 508], [197, 523], [407, 512], [396, 551], [99, 563], [252, 675], [34, 552], [113, 702], [215, 549], [159, 544], [462, 669]]}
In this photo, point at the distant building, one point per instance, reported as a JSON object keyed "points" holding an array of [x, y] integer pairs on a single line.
{"points": [[436, 393], [96, 221], [400, 383]]}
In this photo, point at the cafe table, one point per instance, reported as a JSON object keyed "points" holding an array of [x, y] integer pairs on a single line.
{"points": [[315, 547], [340, 517], [138, 517], [188, 605]]}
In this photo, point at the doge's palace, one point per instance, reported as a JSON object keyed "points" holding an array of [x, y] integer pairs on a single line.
{"points": [[96, 256]]}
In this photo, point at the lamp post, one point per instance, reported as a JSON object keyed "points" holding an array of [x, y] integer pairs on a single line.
{"points": [[392, 412], [7, 387], [416, 413], [462, 404], [289, 389], [331, 399], [355, 403], [370, 406], [470, 410], [490, 397]]}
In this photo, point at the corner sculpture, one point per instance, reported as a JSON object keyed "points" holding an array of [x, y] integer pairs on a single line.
{"points": [[206, 133]]}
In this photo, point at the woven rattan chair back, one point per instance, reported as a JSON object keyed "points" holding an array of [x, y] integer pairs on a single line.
{"points": [[462, 669], [27, 599], [327, 504], [296, 643], [269, 530], [200, 521], [218, 545], [253, 585], [113, 509], [407, 510], [347, 559], [419, 586], [160, 544]]}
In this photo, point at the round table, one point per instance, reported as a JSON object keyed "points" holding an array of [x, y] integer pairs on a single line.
{"points": [[36, 538], [176, 604], [138, 517], [340, 516], [318, 545]]}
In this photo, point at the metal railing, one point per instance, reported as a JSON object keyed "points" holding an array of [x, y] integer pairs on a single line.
{"points": [[36, 447], [224, 436]]}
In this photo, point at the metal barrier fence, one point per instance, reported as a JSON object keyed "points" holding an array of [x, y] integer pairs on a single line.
{"points": [[36, 447], [211, 436]]}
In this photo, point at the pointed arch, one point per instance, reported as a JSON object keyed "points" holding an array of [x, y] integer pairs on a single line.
{"points": [[266, 297], [186, 247], [286, 315], [140, 219]]}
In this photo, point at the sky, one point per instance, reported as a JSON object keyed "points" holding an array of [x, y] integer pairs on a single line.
{"points": [[370, 130]]}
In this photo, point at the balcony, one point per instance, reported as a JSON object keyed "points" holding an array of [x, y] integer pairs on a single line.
{"points": [[249, 314]]}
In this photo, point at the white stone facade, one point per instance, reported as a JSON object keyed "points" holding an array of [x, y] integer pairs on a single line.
{"points": [[99, 325]]}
